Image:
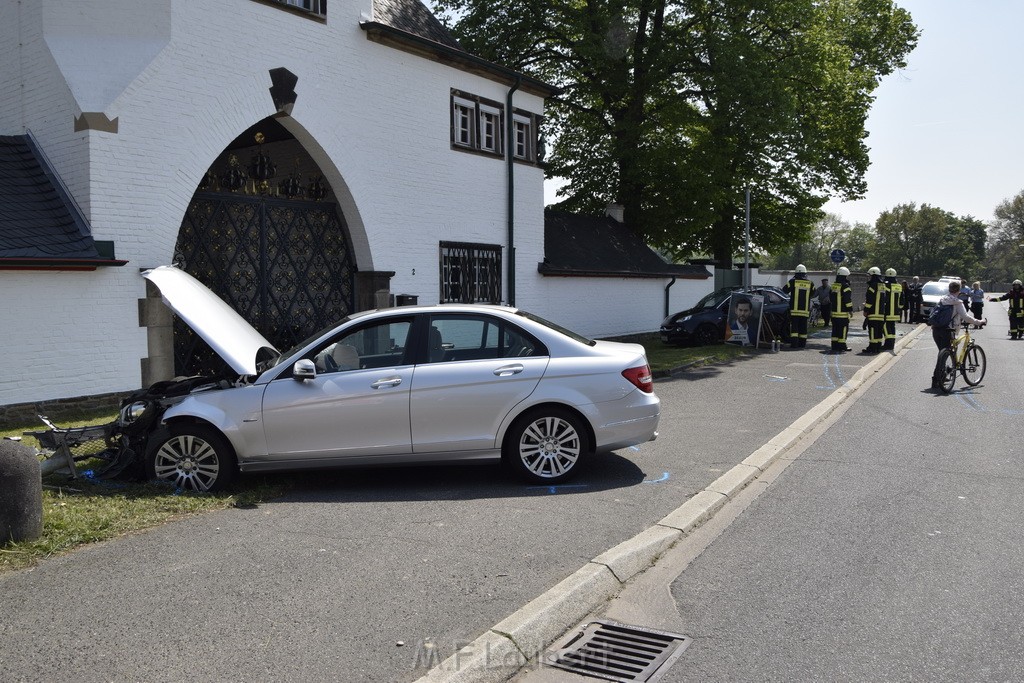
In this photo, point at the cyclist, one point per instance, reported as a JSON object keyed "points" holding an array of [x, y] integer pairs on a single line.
{"points": [[1016, 310], [943, 336]]}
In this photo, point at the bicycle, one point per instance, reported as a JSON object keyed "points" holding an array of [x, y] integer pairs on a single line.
{"points": [[965, 357]]}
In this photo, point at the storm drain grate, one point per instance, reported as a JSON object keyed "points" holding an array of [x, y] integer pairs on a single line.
{"points": [[618, 652]]}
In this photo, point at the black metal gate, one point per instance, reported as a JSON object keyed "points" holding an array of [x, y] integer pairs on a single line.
{"points": [[284, 265]]}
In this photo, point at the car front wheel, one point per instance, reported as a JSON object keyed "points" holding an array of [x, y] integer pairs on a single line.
{"points": [[547, 445], [191, 456], [707, 334]]}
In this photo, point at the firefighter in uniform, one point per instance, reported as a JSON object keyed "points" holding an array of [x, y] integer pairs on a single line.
{"points": [[894, 308], [841, 306], [799, 289], [874, 311], [1015, 310]]}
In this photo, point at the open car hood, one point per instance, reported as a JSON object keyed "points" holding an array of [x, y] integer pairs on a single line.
{"points": [[218, 324]]}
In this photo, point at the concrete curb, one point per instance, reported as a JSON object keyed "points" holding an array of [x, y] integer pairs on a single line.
{"points": [[521, 638]]}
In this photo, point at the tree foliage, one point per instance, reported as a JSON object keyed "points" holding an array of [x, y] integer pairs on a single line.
{"points": [[913, 240], [1005, 262], [673, 108], [928, 241], [830, 232]]}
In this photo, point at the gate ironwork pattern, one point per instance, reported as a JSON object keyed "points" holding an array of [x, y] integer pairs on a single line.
{"points": [[284, 265]]}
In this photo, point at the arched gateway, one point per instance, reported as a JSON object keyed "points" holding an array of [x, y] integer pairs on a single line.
{"points": [[264, 233]]}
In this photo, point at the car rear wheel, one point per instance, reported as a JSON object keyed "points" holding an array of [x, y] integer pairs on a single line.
{"points": [[191, 456], [547, 445]]}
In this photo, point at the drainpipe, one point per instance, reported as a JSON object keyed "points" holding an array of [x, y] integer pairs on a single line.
{"points": [[510, 161], [666, 294]]}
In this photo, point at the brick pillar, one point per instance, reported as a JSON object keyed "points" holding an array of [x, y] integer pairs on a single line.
{"points": [[368, 287]]}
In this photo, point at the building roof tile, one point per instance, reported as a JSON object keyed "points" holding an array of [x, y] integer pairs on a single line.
{"points": [[600, 246]]}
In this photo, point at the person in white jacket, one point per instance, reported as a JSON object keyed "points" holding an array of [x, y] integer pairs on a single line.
{"points": [[943, 336]]}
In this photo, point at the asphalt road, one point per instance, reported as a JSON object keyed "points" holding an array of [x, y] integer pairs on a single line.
{"points": [[374, 575], [888, 549]]}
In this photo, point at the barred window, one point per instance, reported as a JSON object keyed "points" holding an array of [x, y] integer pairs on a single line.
{"points": [[470, 273]]}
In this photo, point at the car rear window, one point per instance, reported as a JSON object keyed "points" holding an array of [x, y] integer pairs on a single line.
{"points": [[557, 328]]}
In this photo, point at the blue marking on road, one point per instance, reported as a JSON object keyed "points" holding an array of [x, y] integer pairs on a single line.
{"points": [[967, 398], [663, 477], [557, 488], [829, 363]]}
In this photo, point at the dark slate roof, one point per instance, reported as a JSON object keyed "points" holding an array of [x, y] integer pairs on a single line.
{"points": [[408, 25], [38, 220], [600, 246], [412, 16]]}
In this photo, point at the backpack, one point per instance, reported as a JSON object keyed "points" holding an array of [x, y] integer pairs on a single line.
{"points": [[941, 316]]}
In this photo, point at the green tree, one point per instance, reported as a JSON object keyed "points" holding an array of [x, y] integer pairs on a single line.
{"points": [[673, 108], [1005, 262], [830, 232], [927, 241]]}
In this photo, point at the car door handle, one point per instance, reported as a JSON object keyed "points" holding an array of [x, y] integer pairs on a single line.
{"points": [[509, 370], [389, 382]]}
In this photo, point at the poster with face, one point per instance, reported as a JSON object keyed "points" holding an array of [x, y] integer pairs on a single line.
{"points": [[744, 324]]}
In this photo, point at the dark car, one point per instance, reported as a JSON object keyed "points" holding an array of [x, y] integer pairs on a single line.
{"points": [[705, 322]]}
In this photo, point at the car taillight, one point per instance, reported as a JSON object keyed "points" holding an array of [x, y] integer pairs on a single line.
{"points": [[640, 377]]}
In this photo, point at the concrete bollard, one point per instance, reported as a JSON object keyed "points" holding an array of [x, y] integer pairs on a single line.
{"points": [[21, 493]]}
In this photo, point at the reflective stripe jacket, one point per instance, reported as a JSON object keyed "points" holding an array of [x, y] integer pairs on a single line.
{"points": [[1016, 298], [842, 298], [875, 301], [799, 290], [894, 300]]}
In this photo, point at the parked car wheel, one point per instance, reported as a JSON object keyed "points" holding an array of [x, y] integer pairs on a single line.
{"points": [[707, 334], [547, 445], [191, 456]]}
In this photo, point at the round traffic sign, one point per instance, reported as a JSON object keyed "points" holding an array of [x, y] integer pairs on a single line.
{"points": [[838, 256]]}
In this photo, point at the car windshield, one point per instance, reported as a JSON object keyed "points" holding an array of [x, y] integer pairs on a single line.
{"points": [[557, 328], [289, 352], [713, 299], [935, 289]]}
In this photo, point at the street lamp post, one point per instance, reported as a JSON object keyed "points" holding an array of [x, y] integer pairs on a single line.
{"points": [[746, 246]]}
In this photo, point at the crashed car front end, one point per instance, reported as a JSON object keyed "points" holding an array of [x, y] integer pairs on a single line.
{"points": [[115, 448]]}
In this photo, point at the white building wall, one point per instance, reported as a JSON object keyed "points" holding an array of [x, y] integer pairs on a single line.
{"points": [[610, 307], [183, 78]]}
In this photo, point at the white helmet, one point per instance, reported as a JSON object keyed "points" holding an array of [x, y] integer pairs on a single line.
{"points": [[1017, 282], [890, 272], [844, 271], [873, 270], [801, 268]]}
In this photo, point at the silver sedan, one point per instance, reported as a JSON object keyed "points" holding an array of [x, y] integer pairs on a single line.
{"points": [[402, 385]]}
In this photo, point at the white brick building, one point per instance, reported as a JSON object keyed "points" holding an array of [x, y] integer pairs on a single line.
{"points": [[139, 109]]}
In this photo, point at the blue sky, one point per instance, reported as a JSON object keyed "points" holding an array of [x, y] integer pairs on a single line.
{"points": [[949, 129]]}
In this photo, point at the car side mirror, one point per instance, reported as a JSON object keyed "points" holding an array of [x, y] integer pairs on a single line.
{"points": [[303, 370]]}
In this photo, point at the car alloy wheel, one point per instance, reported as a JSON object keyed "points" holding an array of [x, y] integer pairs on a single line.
{"points": [[192, 457], [547, 445]]}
